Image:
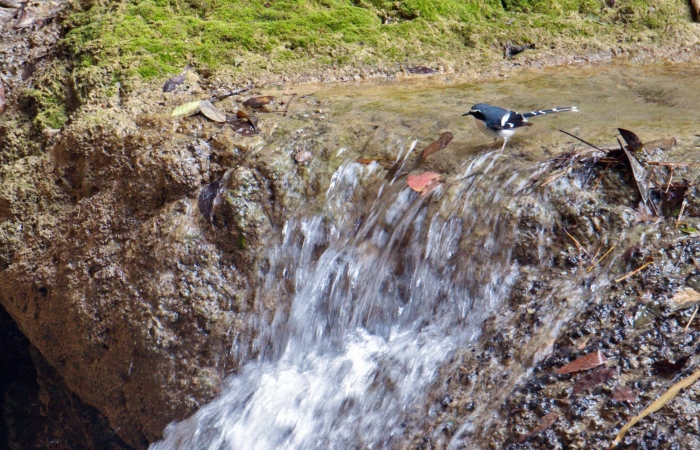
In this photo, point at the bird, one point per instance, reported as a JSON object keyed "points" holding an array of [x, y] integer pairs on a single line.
{"points": [[501, 123]]}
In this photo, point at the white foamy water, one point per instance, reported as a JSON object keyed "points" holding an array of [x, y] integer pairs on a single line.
{"points": [[388, 284]]}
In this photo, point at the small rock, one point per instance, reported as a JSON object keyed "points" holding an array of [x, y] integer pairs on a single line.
{"points": [[303, 156]]}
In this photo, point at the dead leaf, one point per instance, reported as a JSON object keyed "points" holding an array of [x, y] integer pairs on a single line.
{"points": [[421, 70], [634, 144], [437, 145], [2, 97], [586, 362], [512, 50], [211, 112], [685, 298], [242, 124], [596, 377], [424, 181], [666, 397], [258, 102], [547, 421], [624, 394], [186, 108], [666, 367], [26, 19], [243, 116], [206, 199], [175, 81], [367, 160], [640, 177]]}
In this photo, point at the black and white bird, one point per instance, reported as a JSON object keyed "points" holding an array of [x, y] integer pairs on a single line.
{"points": [[501, 123]]}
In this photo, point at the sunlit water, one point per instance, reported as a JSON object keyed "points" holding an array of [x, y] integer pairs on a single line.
{"points": [[387, 283]]}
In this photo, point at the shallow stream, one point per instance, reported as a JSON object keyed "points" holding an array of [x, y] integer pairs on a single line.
{"points": [[383, 285]]}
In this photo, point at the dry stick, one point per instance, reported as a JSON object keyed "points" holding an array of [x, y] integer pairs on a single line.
{"points": [[578, 245], [680, 214], [673, 164], [634, 272], [554, 178], [685, 330], [601, 258], [288, 103], [587, 143], [601, 176], [670, 179]]}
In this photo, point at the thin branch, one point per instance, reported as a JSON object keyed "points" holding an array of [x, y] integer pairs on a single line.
{"points": [[587, 143], [634, 272]]}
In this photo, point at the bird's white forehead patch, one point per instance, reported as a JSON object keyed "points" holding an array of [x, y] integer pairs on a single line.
{"points": [[505, 118]]}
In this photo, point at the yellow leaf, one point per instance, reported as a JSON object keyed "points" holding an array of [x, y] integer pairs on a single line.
{"points": [[685, 298], [657, 405]]}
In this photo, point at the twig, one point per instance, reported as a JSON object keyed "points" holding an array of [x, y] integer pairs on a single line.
{"points": [[286, 109], [231, 93], [601, 258], [554, 178], [670, 179], [578, 245], [680, 257], [680, 214], [601, 176], [685, 330], [673, 164], [634, 272], [587, 143]]}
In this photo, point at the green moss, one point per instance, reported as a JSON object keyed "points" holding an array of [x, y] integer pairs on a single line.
{"points": [[151, 38]]}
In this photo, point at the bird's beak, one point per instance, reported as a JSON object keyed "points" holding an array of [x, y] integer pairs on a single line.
{"points": [[467, 114]]}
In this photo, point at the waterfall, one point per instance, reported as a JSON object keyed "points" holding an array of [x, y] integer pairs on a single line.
{"points": [[383, 284]]}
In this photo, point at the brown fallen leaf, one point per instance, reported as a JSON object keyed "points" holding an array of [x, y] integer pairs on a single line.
{"points": [[666, 367], [512, 50], [175, 81], [366, 160], [242, 124], [437, 145], [685, 298], [586, 362], [211, 112], [421, 70], [547, 421], [258, 102], [633, 142], [673, 197], [624, 394], [596, 377], [2, 97], [424, 181], [659, 403], [206, 199]]}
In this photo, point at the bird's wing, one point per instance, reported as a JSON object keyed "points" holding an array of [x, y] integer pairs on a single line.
{"points": [[512, 120]]}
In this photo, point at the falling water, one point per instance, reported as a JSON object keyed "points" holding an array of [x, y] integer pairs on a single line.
{"points": [[388, 282]]}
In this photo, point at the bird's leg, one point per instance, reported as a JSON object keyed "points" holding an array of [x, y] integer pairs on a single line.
{"points": [[505, 141]]}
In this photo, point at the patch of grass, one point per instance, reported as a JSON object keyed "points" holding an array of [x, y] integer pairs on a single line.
{"points": [[151, 38]]}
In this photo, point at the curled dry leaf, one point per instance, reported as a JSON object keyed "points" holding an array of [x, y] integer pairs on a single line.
{"points": [[2, 97], [624, 394], [258, 102], [593, 379], [659, 403], [242, 124], [547, 421], [586, 362], [425, 181], [633, 142], [175, 81], [685, 298], [438, 145], [211, 112], [367, 160], [186, 108], [206, 199]]}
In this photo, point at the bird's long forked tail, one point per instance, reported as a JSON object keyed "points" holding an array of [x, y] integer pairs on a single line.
{"points": [[542, 112]]}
